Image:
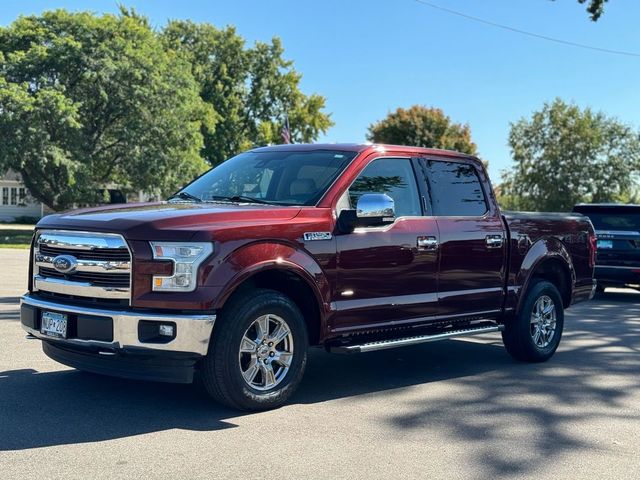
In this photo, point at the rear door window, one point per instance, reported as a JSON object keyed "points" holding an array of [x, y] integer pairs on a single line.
{"points": [[455, 189]]}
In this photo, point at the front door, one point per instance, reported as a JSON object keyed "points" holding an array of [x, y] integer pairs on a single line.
{"points": [[472, 239], [387, 275]]}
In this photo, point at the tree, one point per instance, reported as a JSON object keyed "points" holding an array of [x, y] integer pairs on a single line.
{"points": [[564, 155], [422, 127], [250, 89], [595, 8], [90, 100]]}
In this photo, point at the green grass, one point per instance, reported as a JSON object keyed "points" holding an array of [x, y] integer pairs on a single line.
{"points": [[15, 238]]}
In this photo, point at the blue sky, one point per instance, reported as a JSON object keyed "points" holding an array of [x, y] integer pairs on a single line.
{"points": [[370, 57]]}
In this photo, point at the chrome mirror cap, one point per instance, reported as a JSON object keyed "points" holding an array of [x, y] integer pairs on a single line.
{"points": [[375, 205]]}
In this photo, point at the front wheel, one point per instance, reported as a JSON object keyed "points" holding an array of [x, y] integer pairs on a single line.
{"points": [[534, 334], [258, 352]]}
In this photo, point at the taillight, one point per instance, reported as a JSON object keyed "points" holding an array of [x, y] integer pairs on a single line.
{"points": [[593, 247]]}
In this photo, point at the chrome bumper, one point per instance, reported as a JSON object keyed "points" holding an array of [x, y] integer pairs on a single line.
{"points": [[192, 331]]}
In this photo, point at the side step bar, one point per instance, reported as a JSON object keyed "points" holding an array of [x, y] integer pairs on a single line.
{"points": [[403, 342]]}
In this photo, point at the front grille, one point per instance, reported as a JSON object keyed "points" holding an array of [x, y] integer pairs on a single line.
{"points": [[82, 265], [116, 280], [114, 254]]}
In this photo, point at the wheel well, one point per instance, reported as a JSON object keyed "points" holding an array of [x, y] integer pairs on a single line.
{"points": [[294, 287], [557, 273]]}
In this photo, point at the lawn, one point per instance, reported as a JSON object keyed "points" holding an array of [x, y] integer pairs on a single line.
{"points": [[15, 238]]}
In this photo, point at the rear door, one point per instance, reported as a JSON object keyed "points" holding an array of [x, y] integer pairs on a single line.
{"points": [[472, 239]]}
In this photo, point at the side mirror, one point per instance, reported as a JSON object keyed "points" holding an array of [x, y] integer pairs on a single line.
{"points": [[373, 209]]}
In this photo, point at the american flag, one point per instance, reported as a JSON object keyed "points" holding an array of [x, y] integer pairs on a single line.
{"points": [[285, 133]]}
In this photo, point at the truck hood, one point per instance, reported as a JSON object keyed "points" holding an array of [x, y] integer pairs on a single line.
{"points": [[167, 221]]}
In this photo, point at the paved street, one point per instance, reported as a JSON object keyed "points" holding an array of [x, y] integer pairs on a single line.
{"points": [[454, 409]]}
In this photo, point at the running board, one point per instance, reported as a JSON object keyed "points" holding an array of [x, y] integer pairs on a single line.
{"points": [[403, 342]]}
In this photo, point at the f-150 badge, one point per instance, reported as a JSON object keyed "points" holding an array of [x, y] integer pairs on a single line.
{"points": [[308, 236]]}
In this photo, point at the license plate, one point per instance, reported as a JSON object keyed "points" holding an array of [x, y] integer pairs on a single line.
{"points": [[54, 324], [605, 243]]}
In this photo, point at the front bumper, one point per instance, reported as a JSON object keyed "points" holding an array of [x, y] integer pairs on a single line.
{"points": [[192, 332]]}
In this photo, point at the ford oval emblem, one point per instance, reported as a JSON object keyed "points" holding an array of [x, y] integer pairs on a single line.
{"points": [[65, 263]]}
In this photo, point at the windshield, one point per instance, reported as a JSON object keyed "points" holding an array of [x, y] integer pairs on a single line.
{"points": [[280, 178]]}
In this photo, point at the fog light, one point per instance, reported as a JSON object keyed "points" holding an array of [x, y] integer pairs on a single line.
{"points": [[153, 331], [166, 330]]}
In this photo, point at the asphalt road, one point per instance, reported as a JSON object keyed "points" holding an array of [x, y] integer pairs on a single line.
{"points": [[453, 409]]}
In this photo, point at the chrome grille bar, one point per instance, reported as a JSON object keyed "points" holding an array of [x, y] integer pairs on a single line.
{"points": [[78, 289], [98, 266], [80, 240]]}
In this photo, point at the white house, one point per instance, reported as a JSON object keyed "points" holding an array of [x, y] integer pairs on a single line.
{"points": [[15, 200]]}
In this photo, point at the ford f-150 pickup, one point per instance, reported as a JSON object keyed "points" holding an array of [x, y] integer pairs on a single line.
{"points": [[354, 248]]}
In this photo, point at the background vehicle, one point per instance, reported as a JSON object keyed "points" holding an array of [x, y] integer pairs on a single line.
{"points": [[352, 247], [618, 232]]}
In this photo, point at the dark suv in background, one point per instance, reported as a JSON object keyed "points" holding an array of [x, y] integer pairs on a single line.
{"points": [[618, 231]]}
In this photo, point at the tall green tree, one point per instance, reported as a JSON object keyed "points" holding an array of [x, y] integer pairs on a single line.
{"points": [[565, 155], [90, 100], [595, 8], [422, 126], [251, 89]]}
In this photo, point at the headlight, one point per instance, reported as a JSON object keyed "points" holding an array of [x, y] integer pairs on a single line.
{"points": [[186, 258]]}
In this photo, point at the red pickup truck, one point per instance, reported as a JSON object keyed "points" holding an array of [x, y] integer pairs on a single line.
{"points": [[352, 247]]}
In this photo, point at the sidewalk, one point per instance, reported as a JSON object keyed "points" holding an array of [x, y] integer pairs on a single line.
{"points": [[15, 226]]}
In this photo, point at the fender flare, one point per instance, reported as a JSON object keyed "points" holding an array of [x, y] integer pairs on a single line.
{"points": [[251, 259], [543, 250]]}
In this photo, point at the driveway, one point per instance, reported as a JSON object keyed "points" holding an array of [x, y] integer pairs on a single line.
{"points": [[453, 409]]}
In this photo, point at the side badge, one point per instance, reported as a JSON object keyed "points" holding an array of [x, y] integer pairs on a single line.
{"points": [[308, 236]]}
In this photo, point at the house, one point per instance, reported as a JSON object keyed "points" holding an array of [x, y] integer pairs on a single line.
{"points": [[15, 200]]}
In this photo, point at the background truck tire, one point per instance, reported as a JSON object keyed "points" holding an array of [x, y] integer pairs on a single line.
{"points": [[525, 336], [230, 361]]}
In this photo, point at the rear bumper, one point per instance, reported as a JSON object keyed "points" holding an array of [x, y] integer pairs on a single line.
{"points": [[612, 275], [116, 342]]}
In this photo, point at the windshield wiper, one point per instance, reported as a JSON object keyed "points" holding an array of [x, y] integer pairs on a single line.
{"points": [[241, 198], [186, 196]]}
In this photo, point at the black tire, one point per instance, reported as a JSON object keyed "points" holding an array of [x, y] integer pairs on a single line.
{"points": [[221, 369], [518, 336]]}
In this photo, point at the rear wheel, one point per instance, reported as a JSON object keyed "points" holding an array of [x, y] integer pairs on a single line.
{"points": [[534, 334], [258, 352]]}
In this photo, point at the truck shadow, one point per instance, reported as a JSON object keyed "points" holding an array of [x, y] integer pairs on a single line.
{"points": [[490, 401], [68, 406]]}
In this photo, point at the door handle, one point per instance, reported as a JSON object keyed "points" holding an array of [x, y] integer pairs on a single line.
{"points": [[428, 243], [494, 241]]}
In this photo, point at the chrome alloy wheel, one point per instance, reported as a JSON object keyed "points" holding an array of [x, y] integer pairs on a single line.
{"points": [[543, 321], [266, 351]]}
